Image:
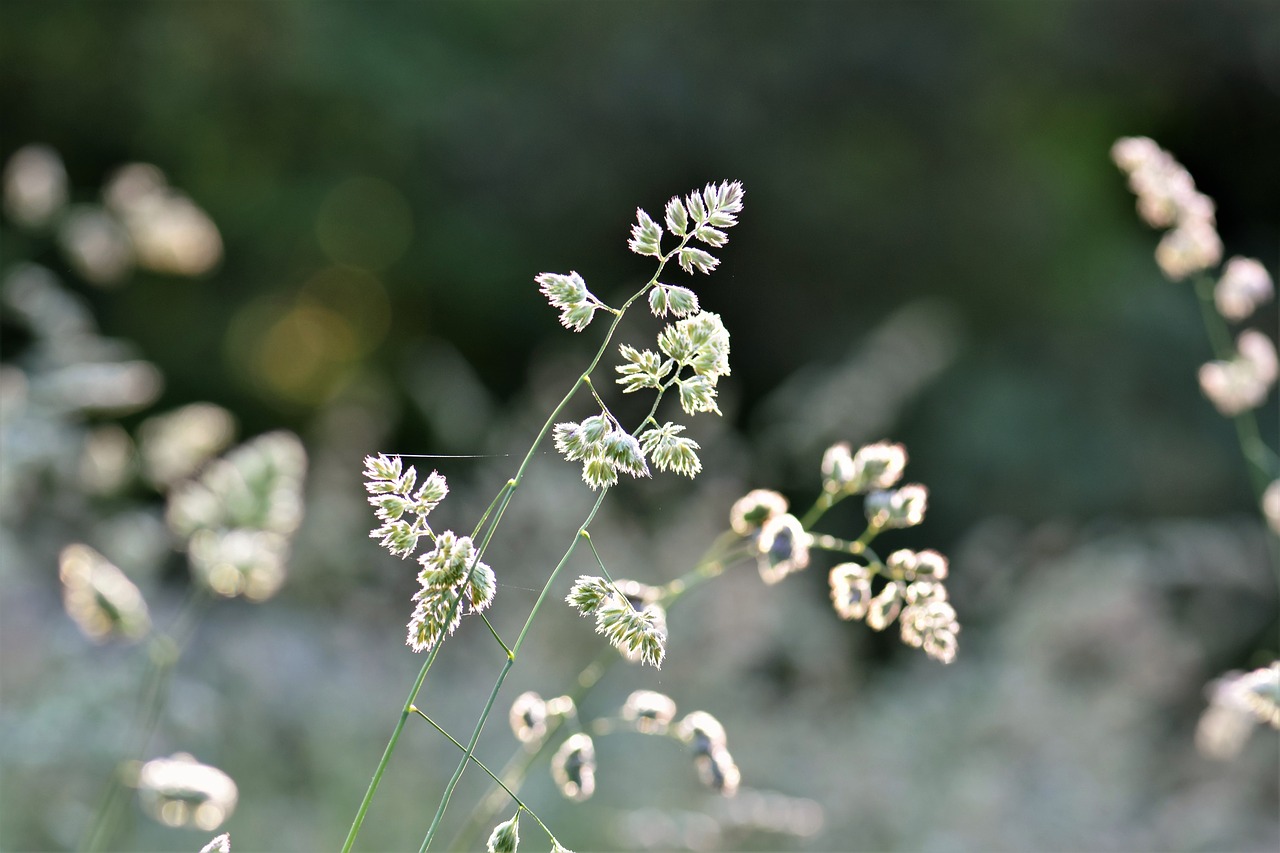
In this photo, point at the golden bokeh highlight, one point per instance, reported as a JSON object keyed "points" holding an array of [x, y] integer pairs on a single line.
{"points": [[305, 349]]}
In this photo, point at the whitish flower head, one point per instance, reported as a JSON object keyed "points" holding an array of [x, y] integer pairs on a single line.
{"points": [[1243, 382], [680, 301], [700, 342], [570, 441], [651, 712], [670, 451], [718, 771], [588, 593], [599, 472], [179, 791], [239, 561], [704, 217], [783, 548], [528, 718], [623, 452], [1166, 193], [383, 473], [643, 369], [35, 185], [904, 507], [837, 468], [480, 587], [640, 634], [569, 293], [1192, 246], [906, 565], [850, 590], [929, 621], [1271, 506], [218, 844], [878, 466], [505, 837], [398, 537], [646, 235], [702, 732], [1237, 703], [176, 444], [436, 614], [573, 767], [445, 566], [100, 598], [257, 485], [1245, 284], [884, 608], [750, 512]]}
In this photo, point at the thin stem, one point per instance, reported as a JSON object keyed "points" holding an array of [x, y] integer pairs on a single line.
{"points": [[1261, 461], [506, 667], [518, 765], [503, 500], [519, 802], [471, 747], [390, 748], [163, 653]]}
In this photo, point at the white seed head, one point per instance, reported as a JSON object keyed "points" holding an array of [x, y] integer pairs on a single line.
{"points": [[218, 844], [1245, 284], [782, 548], [904, 507], [573, 767], [179, 791], [651, 712], [850, 590], [100, 598], [528, 718], [505, 837], [718, 771], [750, 512], [35, 185]]}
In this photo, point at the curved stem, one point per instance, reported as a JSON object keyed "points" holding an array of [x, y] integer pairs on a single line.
{"points": [[477, 762]]}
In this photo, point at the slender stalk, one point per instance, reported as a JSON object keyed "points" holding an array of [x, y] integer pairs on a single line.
{"points": [[708, 567], [477, 762], [518, 765], [386, 753], [1261, 461], [466, 758], [164, 651], [502, 501]]}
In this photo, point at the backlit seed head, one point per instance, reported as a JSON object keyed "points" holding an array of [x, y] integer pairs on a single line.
{"points": [[179, 791], [885, 606], [906, 565], [718, 771], [573, 767], [837, 468], [218, 844], [505, 837], [850, 590], [100, 598], [702, 732], [904, 507], [587, 594], [528, 718], [1245, 284], [750, 512], [651, 712], [782, 548]]}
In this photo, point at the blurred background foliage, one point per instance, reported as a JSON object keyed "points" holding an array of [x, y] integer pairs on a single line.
{"points": [[935, 249]]}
